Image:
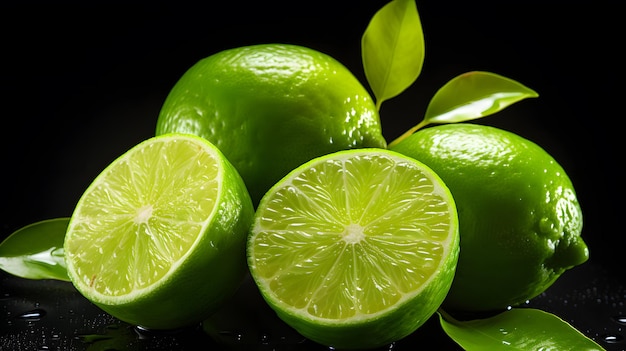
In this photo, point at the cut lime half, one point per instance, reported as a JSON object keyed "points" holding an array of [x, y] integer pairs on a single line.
{"points": [[355, 249], [158, 239]]}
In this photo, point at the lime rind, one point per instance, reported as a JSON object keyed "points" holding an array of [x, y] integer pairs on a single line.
{"points": [[353, 240]]}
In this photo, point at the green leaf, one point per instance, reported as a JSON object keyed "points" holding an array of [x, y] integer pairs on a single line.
{"points": [[474, 95], [36, 251], [517, 329], [392, 49], [470, 96]]}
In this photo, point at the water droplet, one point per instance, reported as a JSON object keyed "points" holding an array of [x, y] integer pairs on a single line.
{"points": [[142, 333], [548, 229], [620, 319], [233, 335], [264, 338], [33, 315], [612, 338]]}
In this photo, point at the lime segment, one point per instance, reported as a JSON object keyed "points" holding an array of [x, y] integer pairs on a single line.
{"points": [[354, 241]]}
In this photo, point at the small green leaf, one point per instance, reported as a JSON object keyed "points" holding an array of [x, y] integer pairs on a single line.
{"points": [[392, 49], [36, 251], [474, 95], [470, 96], [517, 329]]}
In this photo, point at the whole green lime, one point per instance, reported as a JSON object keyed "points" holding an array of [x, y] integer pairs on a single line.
{"points": [[519, 218], [270, 108]]}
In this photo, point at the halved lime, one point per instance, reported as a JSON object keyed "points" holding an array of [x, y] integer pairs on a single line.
{"points": [[158, 239], [355, 249]]}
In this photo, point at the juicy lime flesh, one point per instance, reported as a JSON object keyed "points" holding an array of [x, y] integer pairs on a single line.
{"points": [[126, 234], [351, 237]]}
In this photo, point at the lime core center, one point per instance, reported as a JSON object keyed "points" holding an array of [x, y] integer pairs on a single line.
{"points": [[353, 234], [143, 214]]}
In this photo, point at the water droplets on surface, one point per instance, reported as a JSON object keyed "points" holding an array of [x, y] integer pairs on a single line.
{"points": [[612, 338], [621, 319], [33, 315]]}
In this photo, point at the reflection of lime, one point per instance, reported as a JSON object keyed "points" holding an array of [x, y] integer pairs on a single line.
{"points": [[158, 239], [355, 249], [245, 321], [520, 220], [270, 108]]}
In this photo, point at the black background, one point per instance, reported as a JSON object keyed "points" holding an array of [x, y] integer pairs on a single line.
{"points": [[80, 84]]}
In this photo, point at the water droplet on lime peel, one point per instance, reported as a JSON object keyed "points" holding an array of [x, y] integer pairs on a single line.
{"points": [[548, 229]]}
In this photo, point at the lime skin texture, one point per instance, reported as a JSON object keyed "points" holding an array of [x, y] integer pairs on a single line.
{"points": [[519, 216], [270, 108]]}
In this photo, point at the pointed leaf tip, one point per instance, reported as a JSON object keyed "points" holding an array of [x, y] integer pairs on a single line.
{"points": [[474, 95], [392, 49]]}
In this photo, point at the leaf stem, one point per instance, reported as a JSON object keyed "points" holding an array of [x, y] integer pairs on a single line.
{"points": [[379, 103], [445, 315], [408, 133]]}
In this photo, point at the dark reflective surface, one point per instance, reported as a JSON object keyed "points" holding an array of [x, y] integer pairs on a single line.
{"points": [[51, 315], [81, 84]]}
